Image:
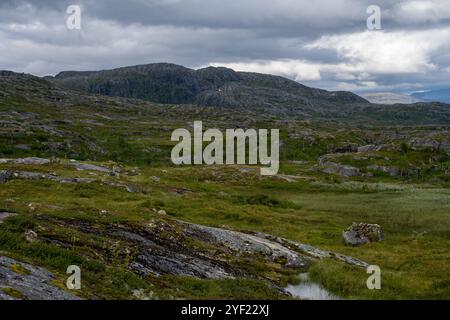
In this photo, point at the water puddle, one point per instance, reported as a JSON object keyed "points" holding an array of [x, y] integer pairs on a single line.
{"points": [[308, 290]]}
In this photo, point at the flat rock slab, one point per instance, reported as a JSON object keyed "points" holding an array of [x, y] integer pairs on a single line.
{"points": [[89, 167], [315, 252], [248, 243], [30, 160], [22, 281], [25, 175], [344, 171]]}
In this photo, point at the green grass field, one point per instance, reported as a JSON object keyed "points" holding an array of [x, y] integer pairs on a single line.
{"points": [[414, 256]]}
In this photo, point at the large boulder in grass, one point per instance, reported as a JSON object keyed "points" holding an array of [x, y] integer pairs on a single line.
{"points": [[362, 233]]}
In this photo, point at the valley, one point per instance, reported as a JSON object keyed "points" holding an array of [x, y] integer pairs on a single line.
{"points": [[86, 179]]}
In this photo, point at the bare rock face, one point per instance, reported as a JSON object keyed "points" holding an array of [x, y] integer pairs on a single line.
{"points": [[243, 243], [22, 281], [32, 160], [344, 171], [160, 248], [362, 233], [89, 167], [167, 256], [430, 143]]}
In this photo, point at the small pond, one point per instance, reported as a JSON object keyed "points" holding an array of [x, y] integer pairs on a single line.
{"points": [[309, 290]]}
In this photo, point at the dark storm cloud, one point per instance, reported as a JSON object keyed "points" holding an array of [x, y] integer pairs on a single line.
{"points": [[321, 43]]}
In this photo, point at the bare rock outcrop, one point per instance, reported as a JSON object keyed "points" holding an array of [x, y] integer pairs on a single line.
{"points": [[22, 281], [342, 170]]}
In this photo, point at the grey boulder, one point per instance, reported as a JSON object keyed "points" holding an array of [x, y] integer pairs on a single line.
{"points": [[362, 233]]}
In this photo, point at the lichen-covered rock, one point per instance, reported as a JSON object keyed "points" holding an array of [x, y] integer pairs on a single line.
{"points": [[369, 148], [314, 252], [31, 160], [342, 170], [430, 143], [250, 244], [362, 233], [26, 175], [171, 259], [89, 167], [22, 281], [30, 236]]}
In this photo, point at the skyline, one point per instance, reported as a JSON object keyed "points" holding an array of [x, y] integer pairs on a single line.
{"points": [[324, 44]]}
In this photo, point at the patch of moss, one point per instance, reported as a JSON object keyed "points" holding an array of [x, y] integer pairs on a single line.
{"points": [[17, 268], [13, 293]]}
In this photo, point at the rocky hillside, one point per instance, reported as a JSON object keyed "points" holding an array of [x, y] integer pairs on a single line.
{"points": [[169, 83], [87, 180], [243, 91]]}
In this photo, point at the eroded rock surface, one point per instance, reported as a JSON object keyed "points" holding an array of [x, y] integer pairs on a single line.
{"points": [[171, 247], [22, 281], [248, 243], [314, 252], [89, 167], [180, 248], [342, 170]]}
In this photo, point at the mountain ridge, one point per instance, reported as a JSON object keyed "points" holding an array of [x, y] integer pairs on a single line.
{"points": [[210, 86], [259, 96]]}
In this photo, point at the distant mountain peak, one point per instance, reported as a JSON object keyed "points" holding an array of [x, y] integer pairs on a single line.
{"points": [[389, 98]]}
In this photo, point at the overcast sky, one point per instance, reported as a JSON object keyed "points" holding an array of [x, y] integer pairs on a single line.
{"points": [[321, 43]]}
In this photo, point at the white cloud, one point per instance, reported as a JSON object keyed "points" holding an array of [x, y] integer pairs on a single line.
{"points": [[300, 70], [359, 86], [424, 11], [320, 43], [382, 52], [363, 57]]}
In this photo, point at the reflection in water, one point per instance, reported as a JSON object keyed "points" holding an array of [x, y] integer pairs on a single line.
{"points": [[309, 290]]}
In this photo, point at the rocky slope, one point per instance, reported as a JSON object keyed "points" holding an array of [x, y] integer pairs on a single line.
{"points": [[22, 281], [87, 180], [158, 246], [169, 83], [259, 95]]}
